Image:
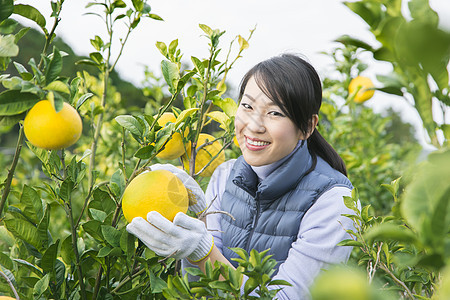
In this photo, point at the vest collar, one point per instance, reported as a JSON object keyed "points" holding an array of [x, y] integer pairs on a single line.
{"points": [[280, 181]]}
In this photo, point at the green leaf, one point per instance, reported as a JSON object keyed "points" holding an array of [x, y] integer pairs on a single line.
{"points": [[117, 183], [155, 17], [145, 152], [8, 48], [6, 261], [220, 117], [31, 204], [29, 266], [206, 29], [92, 227], [58, 86], [350, 242], [157, 284], [228, 105], [83, 99], [184, 115], [387, 231], [6, 9], [14, 102], [348, 40], [162, 48], [41, 286], [54, 68], [199, 66], [66, 189], [130, 123], [48, 260], [111, 235], [170, 73], [23, 71], [108, 251], [24, 230], [421, 10], [67, 253], [31, 13], [424, 195]]}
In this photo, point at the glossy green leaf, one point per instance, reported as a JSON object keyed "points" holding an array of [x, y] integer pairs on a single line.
{"points": [[6, 9], [111, 235], [31, 13], [54, 68], [48, 260], [13, 102], [41, 286], [170, 73], [24, 230], [130, 123]]}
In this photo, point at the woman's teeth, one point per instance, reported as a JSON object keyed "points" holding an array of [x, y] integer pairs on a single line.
{"points": [[257, 143]]}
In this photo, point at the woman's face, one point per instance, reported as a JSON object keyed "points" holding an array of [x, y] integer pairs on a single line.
{"points": [[264, 133]]}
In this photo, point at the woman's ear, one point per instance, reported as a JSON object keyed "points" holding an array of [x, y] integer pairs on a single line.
{"points": [[313, 123]]}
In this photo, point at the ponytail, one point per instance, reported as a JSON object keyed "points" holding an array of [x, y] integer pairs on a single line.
{"points": [[318, 146]]}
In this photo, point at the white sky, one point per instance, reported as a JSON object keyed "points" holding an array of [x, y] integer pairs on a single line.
{"points": [[302, 26]]}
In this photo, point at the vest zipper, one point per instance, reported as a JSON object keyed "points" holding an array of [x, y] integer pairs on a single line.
{"points": [[254, 223]]}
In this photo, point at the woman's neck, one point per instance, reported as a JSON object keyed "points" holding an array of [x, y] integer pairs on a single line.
{"points": [[263, 171]]}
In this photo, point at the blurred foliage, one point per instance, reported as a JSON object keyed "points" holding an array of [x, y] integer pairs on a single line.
{"points": [[419, 52], [368, 142]]}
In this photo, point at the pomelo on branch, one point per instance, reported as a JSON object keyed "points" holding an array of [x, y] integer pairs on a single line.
{"points": [[158, 190], [51, 130], [363, 85], [7, 298], [174, 148], [204, 155]]}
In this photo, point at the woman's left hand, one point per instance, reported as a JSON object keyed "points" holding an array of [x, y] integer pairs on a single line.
{"points": [[185, 237]]}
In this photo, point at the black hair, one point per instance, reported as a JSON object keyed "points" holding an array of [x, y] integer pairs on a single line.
{"points": [[294, 85]]}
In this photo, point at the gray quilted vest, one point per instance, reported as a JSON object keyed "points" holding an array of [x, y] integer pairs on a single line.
{"points": [[268, 213]]}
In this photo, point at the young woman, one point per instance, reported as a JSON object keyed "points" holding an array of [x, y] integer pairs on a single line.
{"points": [[285, 192]]}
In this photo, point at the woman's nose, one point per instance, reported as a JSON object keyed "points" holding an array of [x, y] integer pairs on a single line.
{"points": [[256, 123]]}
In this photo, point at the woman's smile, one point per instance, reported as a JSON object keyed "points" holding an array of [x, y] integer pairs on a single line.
{"points": [[254, 144]]}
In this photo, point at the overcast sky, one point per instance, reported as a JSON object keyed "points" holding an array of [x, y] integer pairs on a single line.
{"points": [[307, 27]]}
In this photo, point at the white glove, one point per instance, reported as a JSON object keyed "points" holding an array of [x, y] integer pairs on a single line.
{"points": [[197, 202], [186, 237]]}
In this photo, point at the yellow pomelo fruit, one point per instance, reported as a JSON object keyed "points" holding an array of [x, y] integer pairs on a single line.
{"points": [[364, 84], [51, 130], [158, 190], [7, 298], [174, 148], [204, 155]]}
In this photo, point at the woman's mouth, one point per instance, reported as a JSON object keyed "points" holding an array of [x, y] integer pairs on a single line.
{"points": [[255, 144]]}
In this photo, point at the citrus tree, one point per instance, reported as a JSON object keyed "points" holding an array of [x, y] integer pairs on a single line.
{"points": [[63, 231], [418, 51], [404, 251]]}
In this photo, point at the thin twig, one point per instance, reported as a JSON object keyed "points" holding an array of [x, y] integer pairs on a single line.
{"points": [[11, 171], [10, 285]]}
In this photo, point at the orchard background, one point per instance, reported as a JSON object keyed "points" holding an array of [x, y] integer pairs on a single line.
{"points": [[62, 232]]}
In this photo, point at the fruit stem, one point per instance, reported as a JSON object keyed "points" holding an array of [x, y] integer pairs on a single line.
{"points": [[12, 169]]}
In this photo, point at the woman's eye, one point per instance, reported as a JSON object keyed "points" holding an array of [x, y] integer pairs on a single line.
{"points": [[246, 106], [276, 113]]}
